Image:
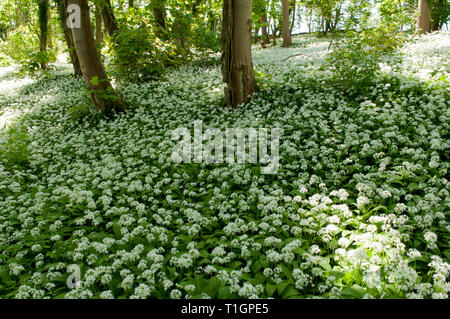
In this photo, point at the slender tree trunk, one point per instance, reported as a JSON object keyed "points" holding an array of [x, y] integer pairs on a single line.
{"points": [[63, 16], [286, 26], [130, 3], [437, 21], [294, 9], [186, 29], [102, 93], [237, 65], [213, 23], [43, 25], [424, 19], [265, 34], [98, 26], [274, 36], [327, 26], [49, 37], [337, 17], [108, 17]]}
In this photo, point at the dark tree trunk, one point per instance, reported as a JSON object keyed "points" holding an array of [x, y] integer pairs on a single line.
{"points": [[108, 17], [62, 14], [102, 93], [265, 34], [237, 65], [98, 26], [159, 15], [285, 24], [294, 11], [43, 26]]}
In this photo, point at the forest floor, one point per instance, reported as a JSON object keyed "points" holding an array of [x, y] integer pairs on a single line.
{"points": [[358, 209]]}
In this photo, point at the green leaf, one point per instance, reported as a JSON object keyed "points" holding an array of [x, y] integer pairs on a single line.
{"points": [[354, 292], [337, 274], [281, 287], [224, 292], [290, 292], [325, 263], [95, 81], [270, 289]]}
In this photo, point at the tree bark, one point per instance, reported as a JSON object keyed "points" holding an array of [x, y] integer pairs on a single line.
{"points": [[286, 25], [62, 14], [424, 19], [160, 17], [237, 65], [294, 12], [265, 34], [98, 26], [49, 37], [102, 93], [43, 25], [108, 17]]}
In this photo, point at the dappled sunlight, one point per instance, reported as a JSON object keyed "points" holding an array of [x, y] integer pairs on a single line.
{"points": [[9, 109], [427, 57], [8, 83], [309, 49]]}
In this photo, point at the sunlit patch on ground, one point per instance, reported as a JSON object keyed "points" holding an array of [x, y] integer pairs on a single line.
{"points": [[8, 87]]}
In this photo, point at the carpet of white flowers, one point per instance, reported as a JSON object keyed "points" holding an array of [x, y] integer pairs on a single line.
{"points": [[358, 209]]}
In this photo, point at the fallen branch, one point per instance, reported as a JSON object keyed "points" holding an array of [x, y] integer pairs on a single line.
{"points": [[295, 55]]}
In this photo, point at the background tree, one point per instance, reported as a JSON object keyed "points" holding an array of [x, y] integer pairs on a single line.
{"points": [[237, 65], [440, 12], [260, 22], [424, 18], [62, 17], [102, 94], [328, 12], [292, 13], [98, 26], [275, 19], [108, 17], [265, 33], [286, 23], [159, 14], [43, 27]]}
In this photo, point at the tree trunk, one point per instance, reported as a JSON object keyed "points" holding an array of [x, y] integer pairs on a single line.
{"points": [[160, 17], [43, 26], [265, 34], [108, 17], [237, 65], [63, 16], [130, 3], [438, 17], [294, 12], [49, 38], [327, 26], [97, 83], [286, 26], [98, 26], [274, 36], [424, 19]]}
